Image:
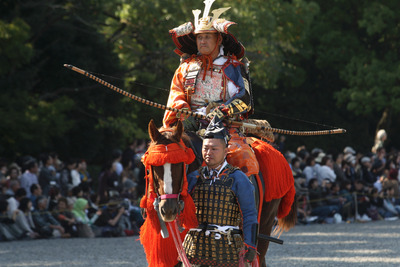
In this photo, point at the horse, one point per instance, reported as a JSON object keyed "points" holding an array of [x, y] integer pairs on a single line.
{"points": [[167, 185]]}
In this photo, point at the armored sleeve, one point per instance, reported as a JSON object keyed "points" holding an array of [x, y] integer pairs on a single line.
{"points": [[177, 97], [244, 191]]}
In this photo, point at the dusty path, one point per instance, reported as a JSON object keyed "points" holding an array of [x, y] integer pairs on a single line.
{"points": [[357, 244]]}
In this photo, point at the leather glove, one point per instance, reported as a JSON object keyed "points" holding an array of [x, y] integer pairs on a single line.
{"points": [[250, 254], [220, 112]]}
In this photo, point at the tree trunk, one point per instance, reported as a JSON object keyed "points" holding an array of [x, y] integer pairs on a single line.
{"points": [[385, 120]]}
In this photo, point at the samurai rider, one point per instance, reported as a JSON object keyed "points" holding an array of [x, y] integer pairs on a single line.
{"points": [[211, 80]]}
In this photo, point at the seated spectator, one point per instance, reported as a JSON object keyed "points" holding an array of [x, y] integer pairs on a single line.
{"points": [[76, 192], [326, 170], [9, 230], [377, 206], [25, 221], [86, 227], [364, 172], [348, 166], [363, 202], [310, 170], [14, 172], [319, 207], [54, 196], [36, 191], [129, 190], [334, 197], [13, 186], [391, 204], [45, 223], [296, 170], [65, 217], [110, 220], [13, 201]]}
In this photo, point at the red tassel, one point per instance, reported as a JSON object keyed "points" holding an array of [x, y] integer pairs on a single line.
{"points": [[161, 252]]}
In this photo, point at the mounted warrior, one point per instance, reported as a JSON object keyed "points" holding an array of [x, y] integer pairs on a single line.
{"points": [[212, 80]]}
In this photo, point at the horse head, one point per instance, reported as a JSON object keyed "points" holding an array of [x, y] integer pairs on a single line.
{"points": [[166, 161]]}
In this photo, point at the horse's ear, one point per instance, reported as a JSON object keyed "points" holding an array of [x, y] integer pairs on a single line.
{"points": [[178, 131], [153, 131]]}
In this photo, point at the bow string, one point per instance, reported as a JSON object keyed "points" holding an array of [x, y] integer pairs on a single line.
{"points": [[200, 116]]}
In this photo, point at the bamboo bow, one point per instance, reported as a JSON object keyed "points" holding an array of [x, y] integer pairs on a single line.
{"points": [[196, 115]]}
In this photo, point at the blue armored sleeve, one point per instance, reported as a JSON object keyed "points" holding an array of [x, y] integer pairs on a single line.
{"points": [[234, 75], [244, 191], [192, 180]]}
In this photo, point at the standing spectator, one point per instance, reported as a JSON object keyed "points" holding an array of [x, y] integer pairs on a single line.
{"points": [[337, 168], [86, 180], [378, 165], [127, 173], [379, 140], [30, 176], [36, 191], [129, 153], [3, 169], [108, 183], [116, 162], [76, 178], [47, 176], [46, 224]]}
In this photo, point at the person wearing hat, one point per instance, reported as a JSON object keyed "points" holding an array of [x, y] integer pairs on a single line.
{"points": [[225, 207], [211, 74]]}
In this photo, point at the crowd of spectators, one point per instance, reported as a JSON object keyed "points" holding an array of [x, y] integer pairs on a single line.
{"points": [[54, 198], [58, 198], [347, 186]]}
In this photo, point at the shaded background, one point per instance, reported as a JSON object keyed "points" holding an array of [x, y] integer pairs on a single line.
{"points": [[314, 64]]}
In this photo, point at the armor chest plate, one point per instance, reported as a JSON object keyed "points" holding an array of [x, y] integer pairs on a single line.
{"points": [[216, 203], [211, 89]]}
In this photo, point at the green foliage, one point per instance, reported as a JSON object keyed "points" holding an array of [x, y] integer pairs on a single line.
{"points": [[334, 63], [15, 51]]}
